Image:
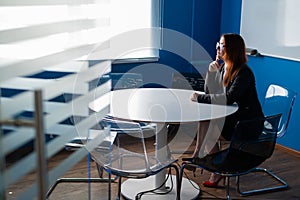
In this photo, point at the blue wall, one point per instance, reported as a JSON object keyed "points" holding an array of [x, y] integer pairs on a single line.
{"points": [[198, 19], [211, 19], [268, 70]]}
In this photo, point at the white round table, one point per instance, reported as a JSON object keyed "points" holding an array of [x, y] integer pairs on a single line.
{"points": [[161, 106]]}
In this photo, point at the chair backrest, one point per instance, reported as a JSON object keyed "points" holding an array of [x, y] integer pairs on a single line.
{"points": [[116, 156], [127, 154], [256, 137], [252, 143], [123, 80], [279, 100], [188, 81]]}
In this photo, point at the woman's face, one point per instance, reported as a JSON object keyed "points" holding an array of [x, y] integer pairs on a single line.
{"points": [[220, 48]]}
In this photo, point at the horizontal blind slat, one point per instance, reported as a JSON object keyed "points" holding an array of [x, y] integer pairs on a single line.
{"points": [[21, 68], [28, 163], [55, 117], [36, 31], [16, 139], [67, 163], [12, 106], [48, 2], [24, 135]]}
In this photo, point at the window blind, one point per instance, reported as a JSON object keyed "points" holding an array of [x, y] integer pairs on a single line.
{"points": [[34, 29], [47, 45]]}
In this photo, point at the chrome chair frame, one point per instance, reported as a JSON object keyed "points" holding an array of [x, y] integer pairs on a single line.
{"points": [[228, 167], [113, 162], [72, 146], [271, 106], [278, 114], [283, 184], [119, 81]]}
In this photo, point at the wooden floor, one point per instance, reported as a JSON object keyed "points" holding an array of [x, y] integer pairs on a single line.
{"points": [[283, 163]]}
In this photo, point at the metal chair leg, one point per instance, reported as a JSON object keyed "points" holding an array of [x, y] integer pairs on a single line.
{"points": [[177, 181], [183, 166], [227, 188], [75, 180], [119, 188], [283, 184], [180, 178], [84, 180]]}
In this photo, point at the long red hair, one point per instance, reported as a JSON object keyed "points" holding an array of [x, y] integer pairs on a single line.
{"points": [[235, 53]]}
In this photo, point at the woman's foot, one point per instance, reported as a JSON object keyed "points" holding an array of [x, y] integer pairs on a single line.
{"points": [[187, 165], [188, 162], [189, 159], [214, 180]]}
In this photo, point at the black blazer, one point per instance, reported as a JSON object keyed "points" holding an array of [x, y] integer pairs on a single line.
{"points": [[241, 90]]}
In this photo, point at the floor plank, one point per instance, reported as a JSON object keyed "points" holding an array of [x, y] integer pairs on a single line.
{"points": [[284, 164]]}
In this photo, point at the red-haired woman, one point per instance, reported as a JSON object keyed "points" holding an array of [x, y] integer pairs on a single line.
{"points": [[227, 83]]}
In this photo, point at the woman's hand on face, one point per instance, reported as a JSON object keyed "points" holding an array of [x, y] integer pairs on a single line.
{"points": [[194, 97], [214, 66]]}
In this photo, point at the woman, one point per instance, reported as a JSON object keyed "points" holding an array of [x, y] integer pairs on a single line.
{"points": [[227, 83]]}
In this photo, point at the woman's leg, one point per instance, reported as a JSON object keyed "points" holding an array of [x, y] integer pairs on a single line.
{"points": [[214, 177], [210, 142], [203, 127], [202, 130]]}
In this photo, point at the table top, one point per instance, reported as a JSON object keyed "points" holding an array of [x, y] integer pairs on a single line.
{"points": [[159, 105]]}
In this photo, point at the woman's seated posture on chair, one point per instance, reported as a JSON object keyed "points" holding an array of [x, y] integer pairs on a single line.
{"points": [[229, 82]]}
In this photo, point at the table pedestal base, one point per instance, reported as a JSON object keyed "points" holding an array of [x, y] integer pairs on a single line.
{"points": [[131, 187]]}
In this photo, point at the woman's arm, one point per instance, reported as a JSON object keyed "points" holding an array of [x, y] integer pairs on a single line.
{"points": [[214, 79], [237, 88]]}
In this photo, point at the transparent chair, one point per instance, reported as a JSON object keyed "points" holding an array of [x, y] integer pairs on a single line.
{"points": [[187, 81], [279, 100], [252, 143], [128, 155], [76, 144], [124, 81], [118, 81]]}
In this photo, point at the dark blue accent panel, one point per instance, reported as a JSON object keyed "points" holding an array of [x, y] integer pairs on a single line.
{"points": [[207, 24], [29, 115], [174, 61], [7, 92], [119, 80], [6, 131], [49, 75], [72, 120], [177, 15], [25, 115], [64, 98]]}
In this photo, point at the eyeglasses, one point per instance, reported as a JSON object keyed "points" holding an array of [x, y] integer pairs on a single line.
{"points": [[220, 46]]}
